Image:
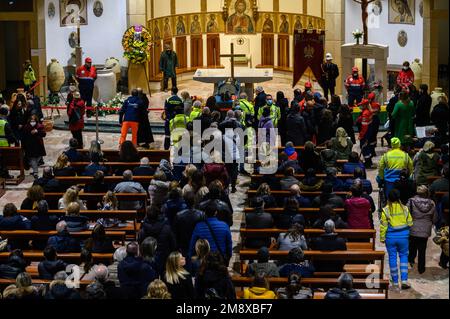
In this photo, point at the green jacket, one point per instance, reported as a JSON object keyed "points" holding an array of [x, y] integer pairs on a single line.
{"points": [[195, 113], [28, 76], [168, 64]]}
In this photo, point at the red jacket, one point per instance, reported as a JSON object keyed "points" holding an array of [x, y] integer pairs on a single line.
{"points": [[365, 119], [358, 210], [76, 105], [215, 171], [405, 78], [83, 72]]}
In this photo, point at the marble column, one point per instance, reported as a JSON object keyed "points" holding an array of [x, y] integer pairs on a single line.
{"points": [[334, 11]]}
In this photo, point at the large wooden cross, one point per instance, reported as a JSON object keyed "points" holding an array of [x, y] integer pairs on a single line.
{"points": [[232, 56]]}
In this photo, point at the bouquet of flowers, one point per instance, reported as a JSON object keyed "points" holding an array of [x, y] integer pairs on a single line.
{"points": [[136, 43], [357, 34]]}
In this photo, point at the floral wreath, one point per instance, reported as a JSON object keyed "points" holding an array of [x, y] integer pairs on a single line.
{"points": [[136, 43]]}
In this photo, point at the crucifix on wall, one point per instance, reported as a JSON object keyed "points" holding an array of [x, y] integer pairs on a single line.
{"points": [[232, 56]]}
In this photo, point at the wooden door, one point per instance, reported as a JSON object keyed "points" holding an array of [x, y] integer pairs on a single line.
{"points": [[283, 51], [181, 50], [213, 50], [154, 62], [267, 50], [196, 51]]}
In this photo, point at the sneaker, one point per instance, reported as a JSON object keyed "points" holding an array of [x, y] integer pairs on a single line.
{"points": [[405, 285], [394, 287]]}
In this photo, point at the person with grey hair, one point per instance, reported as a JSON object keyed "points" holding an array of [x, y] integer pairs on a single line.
{"points": [[118, 256], [338, 184], [63, 242], [187, 102], [196, 111], [129, 186], [329, 241], [109, 286], [95, 291], [144, 169], [345, 289]]}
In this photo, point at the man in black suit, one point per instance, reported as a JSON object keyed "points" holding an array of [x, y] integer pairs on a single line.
{"points": [[329, 76]]}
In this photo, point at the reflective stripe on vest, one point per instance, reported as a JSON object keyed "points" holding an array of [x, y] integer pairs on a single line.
{"points": [[3, 140]]}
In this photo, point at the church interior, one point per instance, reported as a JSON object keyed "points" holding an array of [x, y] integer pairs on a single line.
{"points": [[354, 91]]}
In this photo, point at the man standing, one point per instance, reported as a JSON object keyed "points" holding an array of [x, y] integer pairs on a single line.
{"points": [[86, 76], [275, 113], [329, 76], [29, 77], [167, 65], [365, 121], [129, 116], [355, 87], [170, 111], [145, 134], [75, 111]]}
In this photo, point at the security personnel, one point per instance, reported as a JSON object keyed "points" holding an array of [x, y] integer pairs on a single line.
{"points": [[248, 110], [275, 113], [129, 117], [86, 76], [171, 104], [391, 165], [196, 111], [29, 77], [180, 121], [7, 137], [355, 87]]}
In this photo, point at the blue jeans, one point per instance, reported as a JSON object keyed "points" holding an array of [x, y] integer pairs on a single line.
{"points": [[398, 246]]}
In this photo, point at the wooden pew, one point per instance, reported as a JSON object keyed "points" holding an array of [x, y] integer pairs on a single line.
{"points": [[12, 159], [368, 296], [283, 194], [112, 155], [41, 234], [315, 283], [307, 212], [112, 165], [309, 232], [35, 282], [255, 178], [122, 215], [83, 180], [38, 255]]}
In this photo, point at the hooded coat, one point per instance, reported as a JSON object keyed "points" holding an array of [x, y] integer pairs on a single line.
{"points": [[423, 212]]}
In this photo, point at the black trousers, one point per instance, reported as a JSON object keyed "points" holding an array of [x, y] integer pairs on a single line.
{"points": [[443, 260], [79, 137], [233, 172], [418, 246], [166, 82], [328, 88]]}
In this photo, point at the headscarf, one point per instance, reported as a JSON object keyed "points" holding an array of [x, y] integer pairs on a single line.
{"points": [[428, 149], [342, 137]]}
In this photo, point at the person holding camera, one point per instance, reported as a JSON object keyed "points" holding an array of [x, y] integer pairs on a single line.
{"points": [[75, 112]]}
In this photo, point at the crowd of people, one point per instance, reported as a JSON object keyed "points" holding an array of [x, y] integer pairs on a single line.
{"points": [[184, 246]]}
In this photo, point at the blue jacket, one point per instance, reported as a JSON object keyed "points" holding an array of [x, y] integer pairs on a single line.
{"points": [[349, 168], [91, 169], [63, 243], [16, 222], [306, 270], [222, 233], [130, 110], [366, 184], [74, 155], [134, 276]]}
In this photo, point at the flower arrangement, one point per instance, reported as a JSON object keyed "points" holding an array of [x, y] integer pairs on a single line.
{"points": [[113, 107], [136, 43], [357, 34]]}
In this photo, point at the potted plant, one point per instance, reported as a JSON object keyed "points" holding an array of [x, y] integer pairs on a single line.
{"points": [[357, 34]]}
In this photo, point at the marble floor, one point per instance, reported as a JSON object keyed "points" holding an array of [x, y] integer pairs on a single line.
{"points": [[434, 283]]}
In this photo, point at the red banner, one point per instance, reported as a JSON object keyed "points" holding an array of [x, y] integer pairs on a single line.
{"points": [[308, 52]]}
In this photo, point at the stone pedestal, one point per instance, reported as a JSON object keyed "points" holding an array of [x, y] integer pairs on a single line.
{"points": [[379, 53]]}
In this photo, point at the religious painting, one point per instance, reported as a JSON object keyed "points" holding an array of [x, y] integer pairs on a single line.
{"points": [[284, 24], [156, 31], [167, 29], [402, 38], [196, 27], [73, 39], [240, 17], [212, 26], [402, 11], [421, 9], [51, 10], [268, 25], [98, 8], [181, 26], [298, 23], [72, 11], [377, 7]]}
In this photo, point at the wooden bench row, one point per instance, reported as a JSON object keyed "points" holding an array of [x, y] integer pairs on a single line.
{"points": [[112, 155], [38, 255], [41, 234]]}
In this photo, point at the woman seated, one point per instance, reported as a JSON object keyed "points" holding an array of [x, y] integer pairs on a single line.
{"points": [[326, 213], [95, 157], [264, 192], [98, 184], [311, 183], [353, 163], [51, 264], [310, 159], [71, 196], [62, 167], [294, 238], [328, 157], [263, 264], [99, 242], [294, 289], [345, 289], [297, 264], [342, 144], [259, 289], [87, 266], [42, 221], [285, 162], [34, 195], [358, 209], [75, 222], [128, 153]]}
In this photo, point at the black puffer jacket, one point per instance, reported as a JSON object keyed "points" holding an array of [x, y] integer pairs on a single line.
{"points": [[184, 224], [215, 280], [14, 266], [48, 268]]}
